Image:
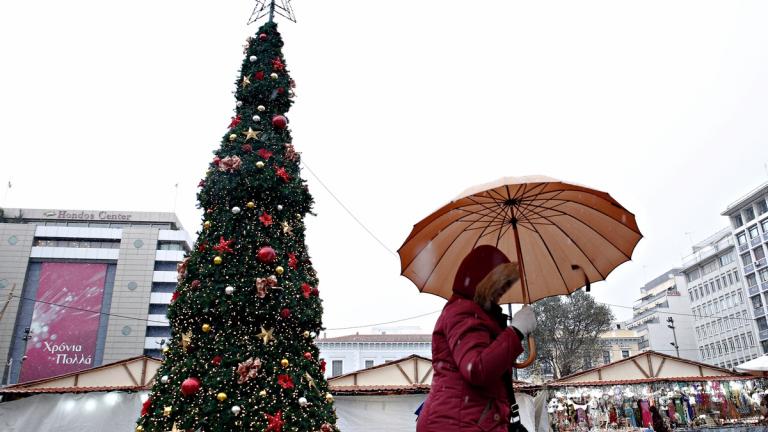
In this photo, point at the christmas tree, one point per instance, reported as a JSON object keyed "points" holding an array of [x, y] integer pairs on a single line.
{"points": [[243, 318]]}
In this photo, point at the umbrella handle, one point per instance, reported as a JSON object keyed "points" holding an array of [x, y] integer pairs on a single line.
{"points": [[531, 354]]}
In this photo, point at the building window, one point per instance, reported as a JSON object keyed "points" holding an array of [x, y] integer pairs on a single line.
{"points": [[764, 344], [746, 258], [166, 266], [726, 259], [749, 214], [759, 253], [368, 364], [765, 226], [741, 238], [624, 353], [751, 339], [336, 367], [753, 232], [761, 207], [77, 243], [751, 280], [693, 275], [174, 246], [606, 357], [158, 309], [737, 221]]}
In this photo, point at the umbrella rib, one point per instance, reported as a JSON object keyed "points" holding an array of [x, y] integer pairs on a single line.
{"points": [[499, 211], [598, 211], [577, 246], [586, 225], [554, 261], [528, 202], [538, 186]]}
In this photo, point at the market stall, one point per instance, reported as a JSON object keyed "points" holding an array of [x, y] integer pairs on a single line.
{"points": [[684, 393]]}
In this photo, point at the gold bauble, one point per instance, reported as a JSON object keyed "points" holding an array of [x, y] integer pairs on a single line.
{"points": [[263, 393], [279, 270], [139, 429], [166, 349], [206, 328], [167, 411], [207, 224], [259, 164], [306, 334], [251, 204], [217, 260], [232, 137], [328, 397], [221, 397], [284, 363]]}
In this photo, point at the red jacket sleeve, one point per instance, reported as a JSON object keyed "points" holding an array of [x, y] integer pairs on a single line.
{"points": [[480, 360]]}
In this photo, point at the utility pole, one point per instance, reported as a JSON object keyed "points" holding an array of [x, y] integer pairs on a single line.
{"points": [[674, 334]]}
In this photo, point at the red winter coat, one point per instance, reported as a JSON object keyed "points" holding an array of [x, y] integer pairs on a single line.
{"points": [[470, 354]]}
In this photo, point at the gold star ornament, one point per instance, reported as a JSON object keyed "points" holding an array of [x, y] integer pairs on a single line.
{"points": [[250, 133], [167, 411], [287, 228], [246, 81], [186, 340], [266, 335]]}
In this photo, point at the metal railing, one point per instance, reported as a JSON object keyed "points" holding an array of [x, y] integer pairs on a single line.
{"points": [[759, 311], [753, 290], [749, 268], [755, 241], [743, 247], [760, 263], [763, 334], [643, 344], [764, 286]]}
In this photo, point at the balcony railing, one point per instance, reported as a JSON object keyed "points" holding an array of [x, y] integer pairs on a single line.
{"points": [[760, 263], [755, 241], [743, 247], [749, 268], [759, 311], [764, 286], [765, 237], [643, 344], [763, 334], [753, 290]]}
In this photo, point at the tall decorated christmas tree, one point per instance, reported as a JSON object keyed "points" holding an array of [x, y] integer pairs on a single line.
{"points": [[243, 318]]}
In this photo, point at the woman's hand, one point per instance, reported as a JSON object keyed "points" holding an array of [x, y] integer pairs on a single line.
{"points": [[524, 320]]}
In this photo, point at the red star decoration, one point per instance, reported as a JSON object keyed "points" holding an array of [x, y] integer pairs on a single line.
{"points": [[285, 381], [265, 154], [235, 121], [283, 174], [275, 422], [265, 219], [306, 290], [202, 246], [223, 246], [145, 406], [292, 261], [277, 65], [175, 296]]}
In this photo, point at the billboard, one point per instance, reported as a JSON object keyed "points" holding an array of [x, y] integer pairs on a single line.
{"points": [[65, 320]]}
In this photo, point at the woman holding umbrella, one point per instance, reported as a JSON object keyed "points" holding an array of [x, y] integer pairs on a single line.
{"points": [[473, 349]]}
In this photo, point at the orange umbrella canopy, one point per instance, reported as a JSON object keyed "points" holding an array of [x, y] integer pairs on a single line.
{"points": [[563, 236]]}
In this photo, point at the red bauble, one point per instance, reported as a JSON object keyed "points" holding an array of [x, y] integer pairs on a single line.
{"points": [[190, 386], [246, 148], [308, 355], [259, 75], [267, 255], [326, 427], [285, 313], [216, 160], [315, 292], [322, 365], [263, 37], [279, 122], [280, 90], [216, 361]]}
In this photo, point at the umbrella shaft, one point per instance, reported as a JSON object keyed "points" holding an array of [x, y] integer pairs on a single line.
{"points": [[521, 264]]}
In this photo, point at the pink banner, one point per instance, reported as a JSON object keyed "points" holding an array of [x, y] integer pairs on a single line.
{"points": [[63, 339]]}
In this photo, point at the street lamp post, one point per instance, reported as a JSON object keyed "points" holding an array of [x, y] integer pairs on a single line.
{"points": [[674, 334]]}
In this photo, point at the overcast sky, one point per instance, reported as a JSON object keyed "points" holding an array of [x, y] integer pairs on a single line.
{"points": [[401, 105]]}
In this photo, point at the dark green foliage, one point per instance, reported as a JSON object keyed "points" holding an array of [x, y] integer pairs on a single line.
{"points": [[292, 309]]}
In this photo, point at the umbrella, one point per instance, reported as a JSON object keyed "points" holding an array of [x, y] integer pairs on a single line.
{"points": [[563, 237], [758, 365]]}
